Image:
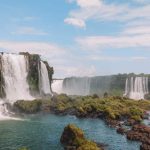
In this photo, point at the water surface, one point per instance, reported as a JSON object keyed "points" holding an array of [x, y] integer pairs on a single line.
{"points": [[43, 132]]}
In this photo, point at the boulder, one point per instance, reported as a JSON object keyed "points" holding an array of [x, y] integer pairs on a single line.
{"points": [[73, 139]]}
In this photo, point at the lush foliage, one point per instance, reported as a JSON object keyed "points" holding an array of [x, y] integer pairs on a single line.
{"points": [[109, 107], [28, 106]]}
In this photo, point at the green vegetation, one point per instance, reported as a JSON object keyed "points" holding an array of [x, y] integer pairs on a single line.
{"points": [[28, 106], [109, 107], [115, 108], [73, 137]]}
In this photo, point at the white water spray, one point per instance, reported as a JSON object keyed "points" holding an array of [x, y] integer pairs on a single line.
{"points": [[136, 87], [57, 86], [44, 80], [77, 86], [14, 70]]}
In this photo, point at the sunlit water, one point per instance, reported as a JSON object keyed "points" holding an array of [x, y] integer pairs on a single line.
{"points": [[43, 132]]}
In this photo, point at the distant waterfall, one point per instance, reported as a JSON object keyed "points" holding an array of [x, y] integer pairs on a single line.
{"points": [[44, 79], [14, 70], [57, 86], [136, 87], [77, 86]]}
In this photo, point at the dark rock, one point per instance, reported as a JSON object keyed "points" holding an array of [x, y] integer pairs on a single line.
{"points": [[144, 147], [140, 133], [121, 130], [112, 123]]}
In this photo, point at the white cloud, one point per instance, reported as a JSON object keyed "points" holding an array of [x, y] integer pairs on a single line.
{"points": [[29, 31], [122, 41], [88, 3], [78, 70], [137, 30], [41, 48], [101, 11], [117, 58], [76, 22], [139, 58], [64, 63], [86, 9], [105, 58]]}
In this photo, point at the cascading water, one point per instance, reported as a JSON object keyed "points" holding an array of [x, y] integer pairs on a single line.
{"points": [[136, 87], [44, 79], [14, 70], [77, 86], [57, 86]]}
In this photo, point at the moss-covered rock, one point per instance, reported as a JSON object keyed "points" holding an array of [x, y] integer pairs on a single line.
{"points": [[28, 107], [73, 138]]}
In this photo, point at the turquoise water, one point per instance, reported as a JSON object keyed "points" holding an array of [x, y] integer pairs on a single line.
{"points": [[43, 132]]}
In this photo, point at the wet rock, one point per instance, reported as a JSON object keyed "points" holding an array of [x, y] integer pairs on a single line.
{"points": [[144, 147], [140, 133], [121, 130]]}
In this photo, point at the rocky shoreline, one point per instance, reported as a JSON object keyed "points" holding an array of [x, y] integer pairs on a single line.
{"points": [[130, 114]]}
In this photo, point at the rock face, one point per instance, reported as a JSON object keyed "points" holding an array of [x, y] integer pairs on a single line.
{"points": [[140, 133], [2, 91], [73, 139]]}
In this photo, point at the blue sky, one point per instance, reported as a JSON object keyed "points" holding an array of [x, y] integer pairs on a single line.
{"points": [[80, 37]]}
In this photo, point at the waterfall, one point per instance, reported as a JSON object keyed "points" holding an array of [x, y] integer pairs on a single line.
{"points": [[44, 79], [57, 86], [77, 86], [14, 70], [136, 87]]}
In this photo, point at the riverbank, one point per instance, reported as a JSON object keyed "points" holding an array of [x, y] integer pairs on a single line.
{"points": [[115, 111]]}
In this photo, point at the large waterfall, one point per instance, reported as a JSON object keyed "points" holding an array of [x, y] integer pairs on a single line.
{"points": [[136, 87], [14, 70], [44, 80], [19, 78], [89, 85]]}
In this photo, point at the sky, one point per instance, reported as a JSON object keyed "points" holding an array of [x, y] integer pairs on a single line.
{"points": [[80, 37]]}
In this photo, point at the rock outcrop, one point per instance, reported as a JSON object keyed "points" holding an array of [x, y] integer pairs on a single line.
{"points": [[140, 133], [73, 139]]}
